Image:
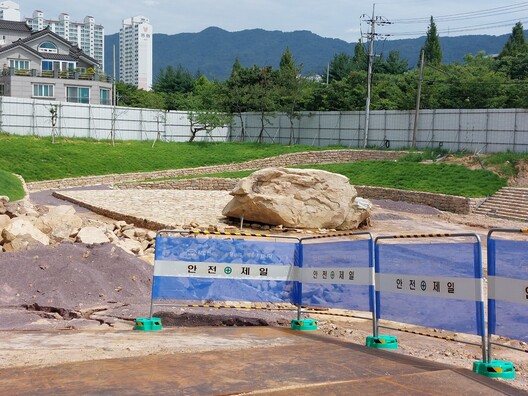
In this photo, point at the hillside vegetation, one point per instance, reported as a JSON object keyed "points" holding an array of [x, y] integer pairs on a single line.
{"points": [[38, 159], [11, 186]]}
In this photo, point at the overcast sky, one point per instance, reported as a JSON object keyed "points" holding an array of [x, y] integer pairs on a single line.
{"points": [[333, 18]]}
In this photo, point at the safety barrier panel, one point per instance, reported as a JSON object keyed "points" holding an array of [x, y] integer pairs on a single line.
{"points": [[507, 289], [331, 271], [437, 285], [228, 266], [338, 271]]}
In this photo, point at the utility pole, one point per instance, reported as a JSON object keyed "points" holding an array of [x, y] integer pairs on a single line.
{"points": [[114, 99], [418, 94], [371, 36]]}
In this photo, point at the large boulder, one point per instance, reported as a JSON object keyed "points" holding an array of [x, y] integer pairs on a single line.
{"points": [[300, 198]]}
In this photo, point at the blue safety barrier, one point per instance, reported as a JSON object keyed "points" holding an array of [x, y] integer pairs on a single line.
{"points": [[437, 285], [508, 286], [231, 268], [507, 296], [338, 272]]}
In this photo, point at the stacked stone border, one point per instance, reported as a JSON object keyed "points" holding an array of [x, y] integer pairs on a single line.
{"points": [[292, 159], [450, 203]]}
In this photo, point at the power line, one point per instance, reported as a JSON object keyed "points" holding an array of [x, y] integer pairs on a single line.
{"points": [[484, 26], [518, 82], [468, 15]]}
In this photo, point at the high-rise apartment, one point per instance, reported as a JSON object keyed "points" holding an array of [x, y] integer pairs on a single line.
{"points": [[88, 35], [135, 52], [9, 11]]}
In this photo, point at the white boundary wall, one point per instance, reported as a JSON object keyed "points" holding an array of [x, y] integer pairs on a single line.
{"points": [[33, 117], [493, 130]]}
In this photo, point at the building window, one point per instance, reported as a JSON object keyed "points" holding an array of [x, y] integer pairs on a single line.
{"points": [[19, 64], [48, 47], [2, 90], [43, 91], [78, 94], [47, 65], [105, 97]]}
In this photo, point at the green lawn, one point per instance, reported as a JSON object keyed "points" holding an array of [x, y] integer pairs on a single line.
{"points": [[437, 178], [11, 186], [38, 159]]}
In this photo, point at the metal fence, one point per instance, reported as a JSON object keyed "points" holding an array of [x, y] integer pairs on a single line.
{"points": [[35, 117], [488, 130], [492, 130]]}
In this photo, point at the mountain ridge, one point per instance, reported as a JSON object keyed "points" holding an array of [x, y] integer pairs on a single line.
{"points": [[212, 51]]}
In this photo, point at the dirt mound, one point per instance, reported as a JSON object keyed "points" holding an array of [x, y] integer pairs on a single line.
{"points": [[521, 179], [226, 317], [73, 282]]}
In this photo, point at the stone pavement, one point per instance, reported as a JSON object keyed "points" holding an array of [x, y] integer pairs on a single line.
{"points": [[153, 208]]}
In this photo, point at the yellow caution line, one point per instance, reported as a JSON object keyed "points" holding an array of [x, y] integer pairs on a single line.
{"points": [[223, 306], [229, 233], [427, 335], [335, 235], [423, 236], [335, 314]]}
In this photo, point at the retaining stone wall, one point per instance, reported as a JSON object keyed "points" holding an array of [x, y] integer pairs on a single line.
{"points": [[292, 159]]}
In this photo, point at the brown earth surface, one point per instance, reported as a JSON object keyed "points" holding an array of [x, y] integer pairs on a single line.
{"points": [[74, 302]]}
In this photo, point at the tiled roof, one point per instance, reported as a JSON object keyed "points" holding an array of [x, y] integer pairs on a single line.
{"points": [[74, 54], [15, 26]]}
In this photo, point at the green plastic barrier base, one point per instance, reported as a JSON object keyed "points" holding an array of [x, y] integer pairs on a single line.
{"points": [[148, 324], [382, 342], [304, 324], [495, 369]]}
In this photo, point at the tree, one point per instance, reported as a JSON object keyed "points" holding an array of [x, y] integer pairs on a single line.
{"points": [[394, 64], [513, 59], [236, 95], [202, 107], [360, 58], [516, 44], [431, 48], [340, 67], [289, 86], [170, 80]]}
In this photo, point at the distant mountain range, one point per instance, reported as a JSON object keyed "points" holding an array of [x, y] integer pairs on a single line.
{"points": [[213, 50]]}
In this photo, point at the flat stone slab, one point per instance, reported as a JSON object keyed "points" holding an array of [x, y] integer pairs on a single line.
{"points": [[240, 360], [157, 208]]}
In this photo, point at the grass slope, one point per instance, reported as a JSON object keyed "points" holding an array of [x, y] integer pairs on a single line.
{"points": [[11, 186], [38, 159], [435, 178]]}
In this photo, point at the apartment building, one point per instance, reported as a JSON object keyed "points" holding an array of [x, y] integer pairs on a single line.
{"points": [[88, 35], [135, 52], [9, 11]]}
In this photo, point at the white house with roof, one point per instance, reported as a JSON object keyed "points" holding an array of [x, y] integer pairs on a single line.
{"points": [[44, 65]]}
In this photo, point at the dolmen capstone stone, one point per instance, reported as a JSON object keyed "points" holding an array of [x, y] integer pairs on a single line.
{"points": [[298, 198]]}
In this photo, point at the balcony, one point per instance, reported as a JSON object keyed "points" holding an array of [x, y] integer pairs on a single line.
{"points": [[73, 75]]}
